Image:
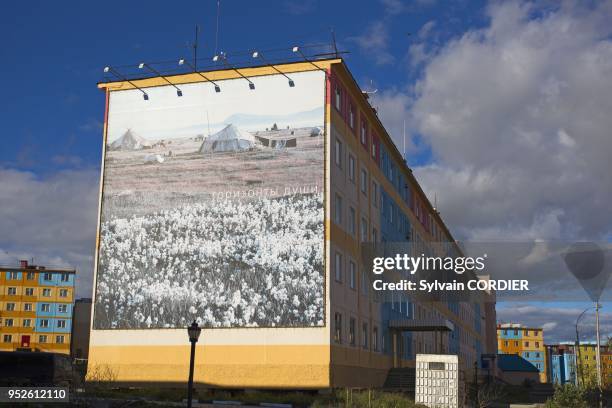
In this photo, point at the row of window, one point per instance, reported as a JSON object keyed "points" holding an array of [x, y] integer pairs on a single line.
{"points": [[352, 273], [28, 307], [43, 338], [47, 276], [12, 291], [526, 344], [525, 332], [367, 339], [42, 323]]}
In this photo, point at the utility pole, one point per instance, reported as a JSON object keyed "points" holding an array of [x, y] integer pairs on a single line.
{"points": [[598, 354], [195, 48]]}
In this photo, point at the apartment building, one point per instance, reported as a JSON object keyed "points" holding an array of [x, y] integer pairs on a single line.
{"points": [[526, 342], [36, 308]]}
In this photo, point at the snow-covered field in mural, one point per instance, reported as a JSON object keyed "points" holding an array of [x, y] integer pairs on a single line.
{"points": [[223, 263], [212, 207]]}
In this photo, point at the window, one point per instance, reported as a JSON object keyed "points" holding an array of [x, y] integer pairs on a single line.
{"points": [[61, 324], [505, 332], [526, 344], [30, 276], [352, 274], [537, 344], [47, 276], [516, 332], [352, 223], [29, 292], [375, 338], [364, 230], [46, 292], [338, 267], [363, 134], [64, 277], [13, 275], [12, 291], [42, 338], [9, 322], [338, 97], [364, 181], [527, 354], [516, 343], [537, 355], [374, 194], [27, 322], [373, 150], [45, 307], [351, 168], [10, 307], [44, 323], [338, 208], [338, 328], [27, 307], [364, 335], [351, 117], [352, 331], [364, 281], [338, 153], [374, 235], [62, 308], [7, 338], [526, 332], [59, 339], [506, 343], [63, 292]]}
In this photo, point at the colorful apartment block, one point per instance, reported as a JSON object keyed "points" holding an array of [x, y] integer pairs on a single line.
{"points": [[563, 359], [36, 308], [526, 342]]}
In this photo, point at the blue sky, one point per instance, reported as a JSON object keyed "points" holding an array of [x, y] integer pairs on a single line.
{"points": [[506, 106]]}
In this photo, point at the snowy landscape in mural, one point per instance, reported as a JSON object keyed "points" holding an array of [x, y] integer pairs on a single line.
{"points": [[212, 206]]}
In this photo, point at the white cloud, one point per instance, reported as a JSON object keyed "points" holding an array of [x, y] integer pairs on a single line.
{"points": [[559, 322], [517, 116], [51, 219], [375, 42]]}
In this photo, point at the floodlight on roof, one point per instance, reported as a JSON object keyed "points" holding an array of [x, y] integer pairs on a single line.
{"points": [[156, 72], [299, 51], [257, 54], [183, 61], [113, 71], [223, 57]]}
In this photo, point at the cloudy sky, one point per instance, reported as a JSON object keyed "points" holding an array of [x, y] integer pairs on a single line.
{"points": [[506, 107]]}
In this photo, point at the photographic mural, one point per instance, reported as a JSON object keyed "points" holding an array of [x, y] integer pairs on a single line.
{"points": [[212, 206]]}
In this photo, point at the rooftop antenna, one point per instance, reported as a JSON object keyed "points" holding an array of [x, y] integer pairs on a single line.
{"points": [[195, 48], [217, 28], [333, 35], [373, 91], [404, 141]]}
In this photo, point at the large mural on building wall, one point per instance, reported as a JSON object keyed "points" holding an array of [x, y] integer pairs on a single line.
{"points": [[212, 206]]}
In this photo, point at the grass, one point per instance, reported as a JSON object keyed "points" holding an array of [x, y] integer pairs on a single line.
{"points": [[336, 399]]}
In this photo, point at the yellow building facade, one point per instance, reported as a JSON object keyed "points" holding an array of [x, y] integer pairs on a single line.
{"points": [[355, 346], [527, 342], [36, 308]]}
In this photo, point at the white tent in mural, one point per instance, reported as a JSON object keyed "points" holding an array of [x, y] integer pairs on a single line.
{"points": [[130, 141], [228, 139]]}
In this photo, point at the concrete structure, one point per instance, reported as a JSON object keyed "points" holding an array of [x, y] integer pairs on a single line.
{"points": [[438, 382], [370, 196], [36, 308], [527, 342], [81, 323], [561, 364]]}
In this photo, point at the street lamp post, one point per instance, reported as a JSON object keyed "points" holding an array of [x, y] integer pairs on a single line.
{"points": [[577, 351], [194, 334]]}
